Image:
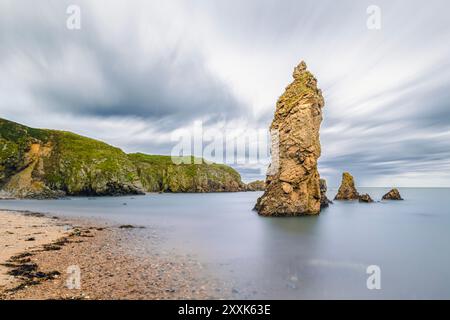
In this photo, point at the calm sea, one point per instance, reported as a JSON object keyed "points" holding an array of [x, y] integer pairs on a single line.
{"points": [[291, 258]]}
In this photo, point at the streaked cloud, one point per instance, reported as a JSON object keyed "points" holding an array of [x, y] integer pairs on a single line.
{"points": [[138, 70]]}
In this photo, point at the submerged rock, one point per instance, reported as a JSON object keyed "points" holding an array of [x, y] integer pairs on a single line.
{"points": [[292, 183], [347, 190], [394, 194], [324, 201], [365, 198], [130, 226]]}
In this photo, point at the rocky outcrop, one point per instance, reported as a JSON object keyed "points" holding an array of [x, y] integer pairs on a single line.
{"points": [[161, 174], [324, 201], [365, 198], [394, 194], [37, 163], [257, 185], [25, 183], [6, 195], [292, 183], [347, 190]]}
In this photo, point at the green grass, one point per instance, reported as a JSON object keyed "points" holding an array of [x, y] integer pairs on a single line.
{"points": [[181, 174], [165, 160], [190, 163], [18, 133]]}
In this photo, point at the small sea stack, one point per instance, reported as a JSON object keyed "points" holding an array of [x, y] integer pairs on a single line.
{"points": [[292, 183], [365, 198], [324, 201], [394, 194], [347, 190]]}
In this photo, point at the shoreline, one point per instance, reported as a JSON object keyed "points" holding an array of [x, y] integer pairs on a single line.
{"points": [[43, 249], [68, 197]]}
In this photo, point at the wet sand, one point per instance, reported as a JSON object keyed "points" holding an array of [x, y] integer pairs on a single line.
{"points": [[39, 252]]}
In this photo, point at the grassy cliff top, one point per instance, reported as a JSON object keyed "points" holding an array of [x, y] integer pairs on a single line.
{"points": [[165, 160], [187, 161], [15, 132], [74, 146]]}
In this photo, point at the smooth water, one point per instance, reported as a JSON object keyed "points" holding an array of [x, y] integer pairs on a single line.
{"points": [[293, 258]]}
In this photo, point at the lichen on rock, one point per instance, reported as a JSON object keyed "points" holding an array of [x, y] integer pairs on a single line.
{"points": [[294, 188]]}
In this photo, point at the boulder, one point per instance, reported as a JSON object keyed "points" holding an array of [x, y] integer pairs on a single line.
{"points": [[347, 190], [365, 198], [292, 183], [394, 194]]}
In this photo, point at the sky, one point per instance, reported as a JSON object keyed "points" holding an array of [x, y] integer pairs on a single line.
{"points": [[138, 71]]}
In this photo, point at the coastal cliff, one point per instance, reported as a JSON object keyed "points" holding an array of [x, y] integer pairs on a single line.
{"points": [[40, 163], [294, 188], [160, 174]]}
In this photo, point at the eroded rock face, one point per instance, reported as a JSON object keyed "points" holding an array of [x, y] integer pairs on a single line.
{"points": [[347, 190], [365, 198], [394, 194], [292, 184], [324, 201]]}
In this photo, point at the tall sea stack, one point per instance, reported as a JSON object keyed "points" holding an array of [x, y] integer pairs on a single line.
{"points": [[292, 183]]}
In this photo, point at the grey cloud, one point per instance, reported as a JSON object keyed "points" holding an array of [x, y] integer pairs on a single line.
{"points": [[387, 100], [174, 82]]}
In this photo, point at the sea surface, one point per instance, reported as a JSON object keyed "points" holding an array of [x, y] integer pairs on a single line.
{"points": [[325, 256]]}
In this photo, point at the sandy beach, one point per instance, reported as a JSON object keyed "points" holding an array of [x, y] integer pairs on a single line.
{"points": [[23, 232], [40, 253]]}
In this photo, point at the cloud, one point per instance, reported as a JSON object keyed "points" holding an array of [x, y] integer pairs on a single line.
{"points": [[87, 72], [138, 70]]}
